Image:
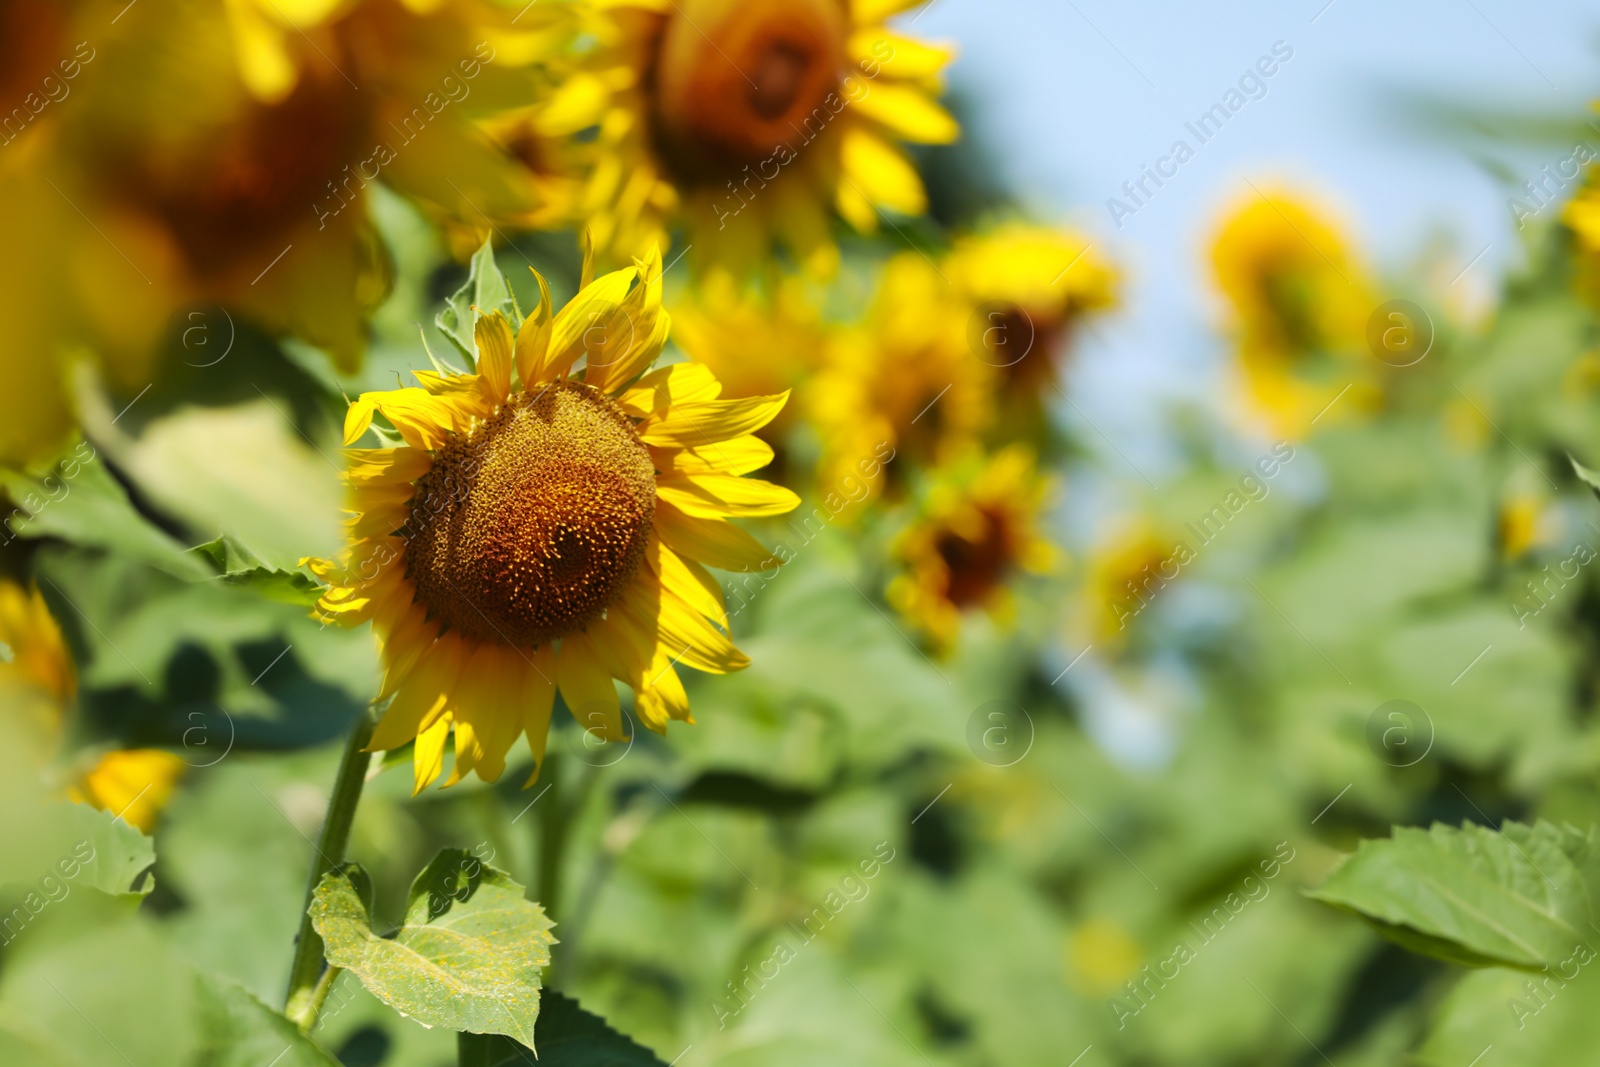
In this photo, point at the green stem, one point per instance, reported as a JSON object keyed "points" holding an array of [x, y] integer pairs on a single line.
{"points": [[552, 838], [303, 1002]]}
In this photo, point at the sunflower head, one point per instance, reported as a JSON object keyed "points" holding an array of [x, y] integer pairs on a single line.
{"points": [[1122, 578], [1028, 286], [735, 78], [1289, 277], [544, 527], [903, 379], [975, 531], [748, 122]]}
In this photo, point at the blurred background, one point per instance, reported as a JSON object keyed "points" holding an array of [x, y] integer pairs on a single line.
{"points": [[1269, 541]]}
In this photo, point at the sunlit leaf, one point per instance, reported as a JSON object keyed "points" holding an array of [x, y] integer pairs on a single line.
{"points": [[467, 957], [1518, 898]]}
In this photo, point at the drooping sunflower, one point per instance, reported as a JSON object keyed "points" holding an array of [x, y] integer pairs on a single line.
{"points": [[38, 684], [975, 532], [1299, 302], [545, 527], [904, 381], [750, 121], [1028, 285]]}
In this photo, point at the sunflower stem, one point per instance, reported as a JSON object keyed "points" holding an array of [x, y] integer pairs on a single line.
{"points": [[552, 842], [302, 1003]]}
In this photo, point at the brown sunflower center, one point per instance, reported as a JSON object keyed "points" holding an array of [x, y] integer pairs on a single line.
{"points": [[977, 568], [736, 79], [531, 526]]}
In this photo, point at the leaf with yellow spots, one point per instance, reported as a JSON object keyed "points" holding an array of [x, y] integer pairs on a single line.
{"points": [[467, 957]]}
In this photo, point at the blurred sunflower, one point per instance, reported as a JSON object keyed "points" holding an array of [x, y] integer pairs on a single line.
{"points": [[755, 345], [976, 530], [903, 380], [1029, 286], [1123, 577], [1581, 215], [1295, 294], [1520, 525], [549, 532], [749, 121], [39, 684], [224, 154]]}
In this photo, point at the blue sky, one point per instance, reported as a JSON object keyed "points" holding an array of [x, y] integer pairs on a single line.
{"points": [[1075, 95]]}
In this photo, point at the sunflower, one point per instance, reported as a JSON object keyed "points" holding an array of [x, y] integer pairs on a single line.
{"points": [[1028, 286], [1125, 576], [903, 382], [749, 122], [1297, 296], [39, 684], [755, 344], [1581, 215], [543, 528], [224, 154], [975, 531]]}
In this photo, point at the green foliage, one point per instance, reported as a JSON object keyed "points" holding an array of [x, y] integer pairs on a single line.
{"points": [[567, 1036], [485, 290], [1523, 897], [467, 955], [237, 566]]}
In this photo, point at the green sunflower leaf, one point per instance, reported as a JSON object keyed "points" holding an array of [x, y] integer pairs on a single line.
{"points": [[1588, 476], [1523, 897], [237, 1030], [78, 500], [485, 289], [568, 1037], [467, 956], [237, 566], [116, 858]]}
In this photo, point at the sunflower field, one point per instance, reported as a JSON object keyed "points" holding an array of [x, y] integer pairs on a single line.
{"points": [[582, 532]]}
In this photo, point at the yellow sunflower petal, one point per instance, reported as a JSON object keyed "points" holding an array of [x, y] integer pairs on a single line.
{"points": [[424, 420], [587, 689], [701, 422], [714, 542], [133, 784], [909, 113], [427, 758], [658, 391], [533, 339], [664, 698], [385, 466], [882, 172], [869, 11], [738, 456], [593, 316], [626, 352], [485, 712], [712, 496], [908, 58], [685, 633], [493, 334], [412, 636], [688, 580], [423, 695]]}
